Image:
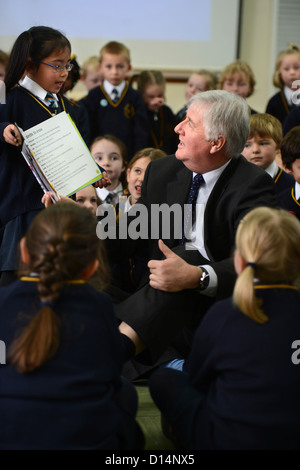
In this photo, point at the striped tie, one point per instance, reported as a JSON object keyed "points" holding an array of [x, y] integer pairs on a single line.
{"points": [[52, 106], [115, 95]]}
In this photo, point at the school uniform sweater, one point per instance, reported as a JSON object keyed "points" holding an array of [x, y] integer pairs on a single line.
{"points": [[278, 106], [162, 135], [20, 193], [68, 402], [126, 119], [288, 201], [246, 371]]}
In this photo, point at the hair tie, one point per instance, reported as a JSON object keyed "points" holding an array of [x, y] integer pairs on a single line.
{"points": [[47, 303], [253, 265]]}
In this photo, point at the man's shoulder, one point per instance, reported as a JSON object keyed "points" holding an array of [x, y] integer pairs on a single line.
{"points": [[169, 162]]}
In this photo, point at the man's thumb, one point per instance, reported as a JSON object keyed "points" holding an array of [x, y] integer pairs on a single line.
{"points": [[165, 250]]}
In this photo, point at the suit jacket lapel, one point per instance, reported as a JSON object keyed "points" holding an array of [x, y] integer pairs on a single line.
{"points": [[177, 190]]}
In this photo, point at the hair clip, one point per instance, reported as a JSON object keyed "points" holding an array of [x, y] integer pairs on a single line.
{"points": [[253, 265], [47, 304]]}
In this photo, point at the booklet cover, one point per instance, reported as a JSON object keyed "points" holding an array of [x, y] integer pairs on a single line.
{"points": [[58, 156]]}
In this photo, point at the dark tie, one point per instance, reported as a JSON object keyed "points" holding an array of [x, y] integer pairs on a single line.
{"points": [[115, 95], [52, 106], [190, 210], [111, 198]]}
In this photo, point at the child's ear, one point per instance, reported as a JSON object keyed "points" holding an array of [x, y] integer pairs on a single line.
{"points": [[24, 251], [89, 271], [30, 67], [286, 169]]}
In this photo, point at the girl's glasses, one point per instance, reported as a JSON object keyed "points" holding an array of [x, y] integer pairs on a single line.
{"points": [[60, 68]]}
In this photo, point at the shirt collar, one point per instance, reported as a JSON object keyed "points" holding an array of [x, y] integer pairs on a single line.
{"points": [[297, 190], [212, 177], [104, 192], [108, 87], [272, 169], [288, 93], [35, 89]]}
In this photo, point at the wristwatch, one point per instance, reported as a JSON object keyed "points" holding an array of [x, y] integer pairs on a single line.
{"points": [[204, 280]]}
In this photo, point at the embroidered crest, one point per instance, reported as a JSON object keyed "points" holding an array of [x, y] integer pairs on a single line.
{"points": [[129, 111], [103, 102]]}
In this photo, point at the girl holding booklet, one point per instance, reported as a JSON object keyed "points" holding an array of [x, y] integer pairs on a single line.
{"points": [[38, 66]]}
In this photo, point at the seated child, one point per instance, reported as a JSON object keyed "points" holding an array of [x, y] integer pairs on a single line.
{"points": [[110, 153], [290, 154], [241, 388], [62, 386], [238, 78], [88, 198], [161, 119], [114, 107], [287, 70], [135, 173], [198, 81], [263, 148]]}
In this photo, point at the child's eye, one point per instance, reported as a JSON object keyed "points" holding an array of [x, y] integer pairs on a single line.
{"points": [[98, 158], [248, 145]]}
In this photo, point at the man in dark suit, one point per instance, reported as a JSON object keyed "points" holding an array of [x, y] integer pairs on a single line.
{"points": [[185, 279]]}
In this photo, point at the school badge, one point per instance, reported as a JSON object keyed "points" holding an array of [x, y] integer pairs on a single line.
{"points": [[129, 111]]}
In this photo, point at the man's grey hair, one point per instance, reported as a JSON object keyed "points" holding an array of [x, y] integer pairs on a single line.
{"points": [[224, 114]]}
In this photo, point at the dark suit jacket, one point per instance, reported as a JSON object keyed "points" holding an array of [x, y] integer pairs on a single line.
{"points": [[158, 316]]}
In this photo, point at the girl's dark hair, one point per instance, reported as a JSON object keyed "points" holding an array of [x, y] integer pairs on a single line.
{"points": [[61, 243], [35, 44]]}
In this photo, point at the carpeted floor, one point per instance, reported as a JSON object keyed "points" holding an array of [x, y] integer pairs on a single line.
{"points": [[148, 418]]}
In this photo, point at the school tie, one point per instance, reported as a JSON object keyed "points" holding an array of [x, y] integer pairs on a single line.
{"points": [[111, 198], [52, 106], [115, 95], [190, 210]]}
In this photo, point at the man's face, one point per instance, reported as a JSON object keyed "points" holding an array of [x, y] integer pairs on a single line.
{"points": [[193, 148]]}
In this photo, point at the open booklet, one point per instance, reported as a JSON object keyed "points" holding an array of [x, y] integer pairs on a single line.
{"points": [[58, 156]]}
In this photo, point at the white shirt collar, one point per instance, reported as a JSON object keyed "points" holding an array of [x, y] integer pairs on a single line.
{"points": [[297, 190], [272, 169], [288, 93], [104, 192], [212, 177], [35, 89], [108, 87]]}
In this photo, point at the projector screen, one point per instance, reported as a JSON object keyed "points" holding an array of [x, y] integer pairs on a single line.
{"points": [[161, 34]]}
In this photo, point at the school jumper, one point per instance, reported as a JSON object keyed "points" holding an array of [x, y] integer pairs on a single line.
{"points": [[74, 400], [242, 388], [162, 135], [126, 119]]}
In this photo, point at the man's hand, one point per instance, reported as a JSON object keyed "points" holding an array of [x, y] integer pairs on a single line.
{"points": [[172, 274], [11, 135]]}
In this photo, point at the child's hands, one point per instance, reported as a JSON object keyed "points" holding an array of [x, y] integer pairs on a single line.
{"points": [[48, 198], [105, 181], [11, 135]]}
